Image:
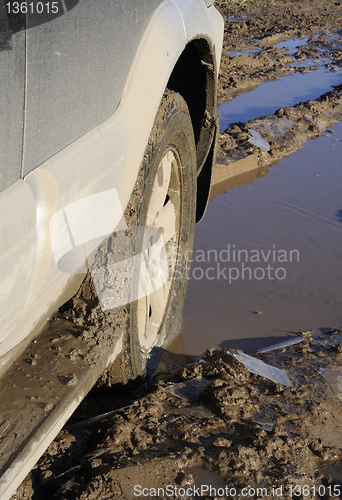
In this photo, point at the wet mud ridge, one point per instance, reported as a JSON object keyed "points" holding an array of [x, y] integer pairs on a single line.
{"points": [[228, 421], [280, 79]]}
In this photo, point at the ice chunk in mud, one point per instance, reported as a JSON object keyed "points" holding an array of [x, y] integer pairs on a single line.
{"points": [[258, 141], [274, 127], [285, 343], [265, 426], [258, 367], [189, 390]]}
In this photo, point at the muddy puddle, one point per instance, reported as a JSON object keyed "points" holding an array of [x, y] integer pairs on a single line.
{"points": [[272, 95], [291, 46], [267, 259]]}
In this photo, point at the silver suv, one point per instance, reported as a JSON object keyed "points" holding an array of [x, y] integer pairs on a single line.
{"points": [[108, 127]]}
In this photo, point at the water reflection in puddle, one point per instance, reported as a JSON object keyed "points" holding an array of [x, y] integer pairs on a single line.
{"points": [[290, 220], [248, 53], [270, 96], [292, 45]]}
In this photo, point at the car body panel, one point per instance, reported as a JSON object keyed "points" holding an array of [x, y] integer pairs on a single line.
{"points": [[201, 21], [77, 66], [17, 235]]}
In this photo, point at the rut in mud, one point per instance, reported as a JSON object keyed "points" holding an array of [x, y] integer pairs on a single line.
{"points": [[242, 429]]}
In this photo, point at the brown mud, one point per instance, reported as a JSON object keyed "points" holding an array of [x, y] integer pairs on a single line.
{"points": [[252, 33], [263, 24], [245, 429], [241, 430]]}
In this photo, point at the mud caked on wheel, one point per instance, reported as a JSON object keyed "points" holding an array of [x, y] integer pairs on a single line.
{"points": [[162, 216]]}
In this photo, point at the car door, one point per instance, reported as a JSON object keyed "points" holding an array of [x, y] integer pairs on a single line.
{"points": [[78, 59]]}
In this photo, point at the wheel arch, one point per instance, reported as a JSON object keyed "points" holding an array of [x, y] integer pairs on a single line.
{"points": [[194, 78]]}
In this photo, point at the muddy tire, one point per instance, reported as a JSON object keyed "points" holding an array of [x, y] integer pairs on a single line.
{"points": [[162, 217]]}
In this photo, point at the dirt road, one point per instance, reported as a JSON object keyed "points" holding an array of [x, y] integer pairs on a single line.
{"points": [[238, 432]]}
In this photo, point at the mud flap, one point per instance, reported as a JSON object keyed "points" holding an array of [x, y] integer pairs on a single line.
{"points": [[205, 175]]}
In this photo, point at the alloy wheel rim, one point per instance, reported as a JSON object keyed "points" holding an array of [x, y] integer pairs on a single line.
{"points": [[160, 256]]}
